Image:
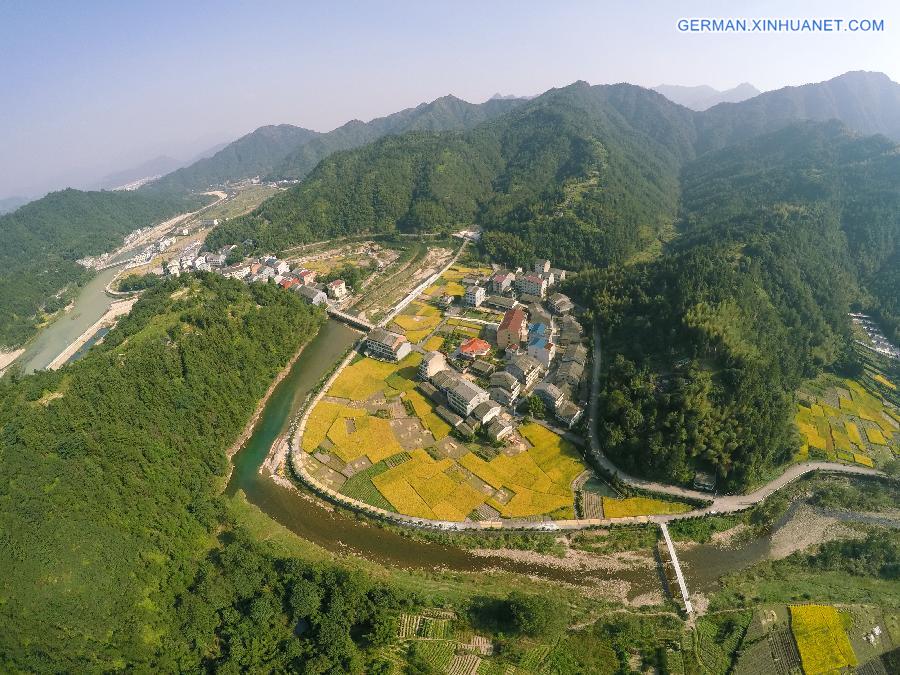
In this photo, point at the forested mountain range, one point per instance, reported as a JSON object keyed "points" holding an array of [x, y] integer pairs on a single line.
{"points": [[779, 237], [43, 239], [703, 97], [289, 152], [251, 155], [737, 237]]}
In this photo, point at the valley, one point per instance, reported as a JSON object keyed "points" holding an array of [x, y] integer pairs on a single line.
{"points": [[585, 382]]}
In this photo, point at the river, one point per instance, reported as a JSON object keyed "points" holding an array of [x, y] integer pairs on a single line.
{"points": [[306, 516], [339, 533], [90, 304]]}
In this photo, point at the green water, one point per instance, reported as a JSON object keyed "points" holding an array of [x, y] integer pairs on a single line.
{"points": [[343, 534]]}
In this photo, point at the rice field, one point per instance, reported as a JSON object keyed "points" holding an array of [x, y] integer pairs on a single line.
{"points": [[843, 420], [366, 377], [417, 321], [640, 506], [320, 420], [821, 639], [368, 435], [425, 412], [433, 344]]}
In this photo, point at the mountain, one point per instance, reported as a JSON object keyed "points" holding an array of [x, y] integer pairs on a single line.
{"points": [[563, 159], [703, 96], [255, 154], [151, 168], [289, 152], [43, 239], [443, 114], [10, 204], [780, 237], [745, 231], [868, 103]]}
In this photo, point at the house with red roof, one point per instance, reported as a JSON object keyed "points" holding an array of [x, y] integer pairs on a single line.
{"points": [[473, 348]]}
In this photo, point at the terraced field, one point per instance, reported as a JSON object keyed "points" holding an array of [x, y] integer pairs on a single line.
{"points": [[847, 421], [376, 439]]}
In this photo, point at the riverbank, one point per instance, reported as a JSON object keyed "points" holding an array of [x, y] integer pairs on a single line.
{"points": [[260, 408], [109, 318], [7, 357]]}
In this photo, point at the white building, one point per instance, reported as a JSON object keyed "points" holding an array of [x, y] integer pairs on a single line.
{"points": [[464, 396], [337, 289], [533, 285], [432, 364], [474, 296], [383, 344]]}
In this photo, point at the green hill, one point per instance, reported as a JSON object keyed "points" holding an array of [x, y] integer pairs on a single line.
{"points": [[705, 346], [43, 239], [252, 155]]}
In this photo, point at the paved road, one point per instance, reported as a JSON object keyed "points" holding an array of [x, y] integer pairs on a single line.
{"points": [[723, 504]]}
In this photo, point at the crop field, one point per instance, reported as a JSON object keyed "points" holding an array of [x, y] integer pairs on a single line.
{"points": [[843, 420], [360, 380], [417, 321], [433, 343], [425, 412], [821, 639], [361, 487], [640, 506], [372, 437], [536, 481], [320, 420]]}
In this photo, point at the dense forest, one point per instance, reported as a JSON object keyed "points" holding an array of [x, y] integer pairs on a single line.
{"points": [[43, 239], [779, 238], [111, 468]]}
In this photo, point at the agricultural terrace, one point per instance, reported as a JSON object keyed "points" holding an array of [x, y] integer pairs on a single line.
{"points": [[844, 420], [374, 438], [821, 639], [450, 281]]}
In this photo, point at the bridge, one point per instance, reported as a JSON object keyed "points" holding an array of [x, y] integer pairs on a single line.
{"points": [[349, 319], [678, 575]]}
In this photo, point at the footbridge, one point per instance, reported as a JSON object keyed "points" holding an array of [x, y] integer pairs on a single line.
{"points": [[678, 575]]}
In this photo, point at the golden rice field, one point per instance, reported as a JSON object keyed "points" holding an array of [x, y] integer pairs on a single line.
{"points": [[857, 429], [640, 506], [417, 321], [371, 436], [425, 412], [821, 639], [434, 343], [320, 420], [362, 379], [539, 480]]}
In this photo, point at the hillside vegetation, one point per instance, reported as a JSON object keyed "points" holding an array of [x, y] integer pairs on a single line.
{"points": [[111, 469], [43, 239], [705, 346]]}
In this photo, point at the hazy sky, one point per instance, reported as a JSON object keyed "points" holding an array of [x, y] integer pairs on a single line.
{"points": [[91, 87]]}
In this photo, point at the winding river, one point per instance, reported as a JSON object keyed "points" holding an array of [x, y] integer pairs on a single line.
{"points": [[339, 533]]}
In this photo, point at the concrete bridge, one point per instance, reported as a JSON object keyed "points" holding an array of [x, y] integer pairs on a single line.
{"points": [[682, 586], [354, 321]]}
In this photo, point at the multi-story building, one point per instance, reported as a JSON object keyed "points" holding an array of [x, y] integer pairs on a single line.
{"points": [[311, 294], [513, 329], [464, 396], [474, 296], [549, 394], [505, 388], [525, 369], [381, 343], [540, 344], [533, 284], [501, 282], [337, 289], [541, 266]]}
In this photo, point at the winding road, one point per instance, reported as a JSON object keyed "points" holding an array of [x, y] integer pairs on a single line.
{"points": [[722, 504]]}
